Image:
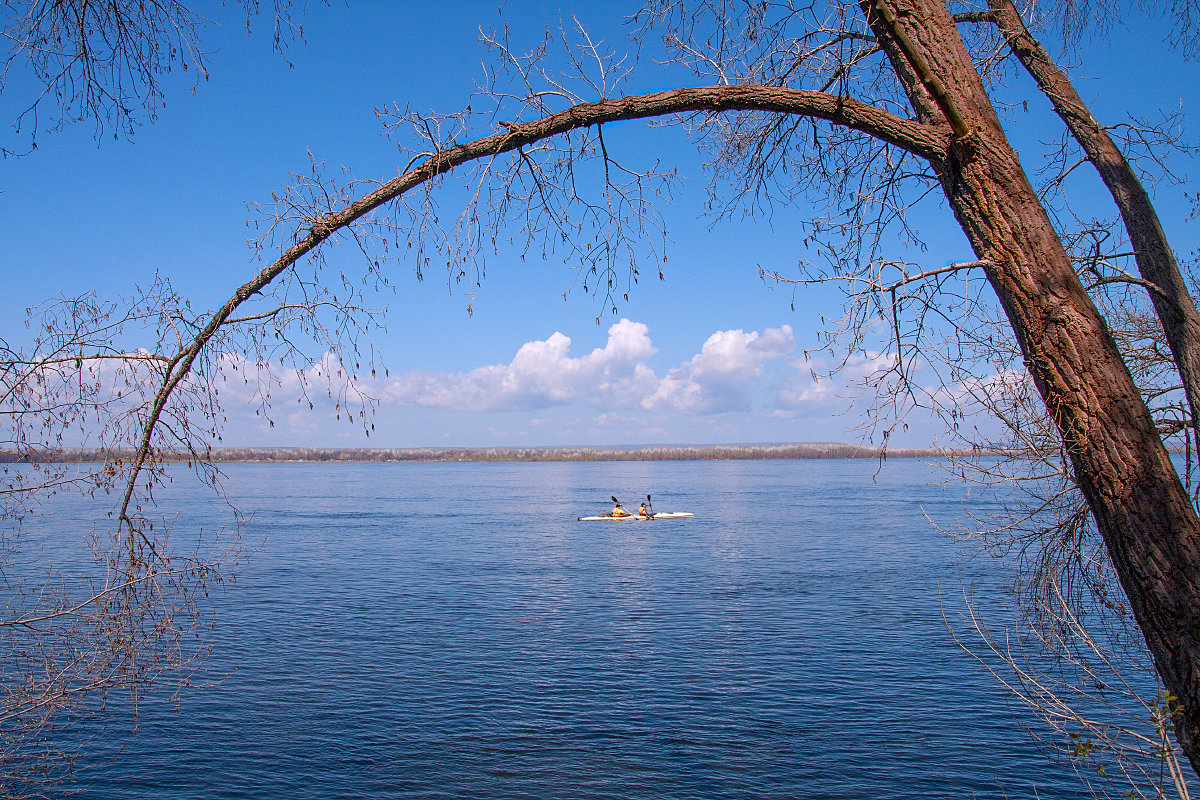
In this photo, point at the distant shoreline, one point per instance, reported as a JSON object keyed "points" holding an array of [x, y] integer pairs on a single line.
{"points": [[750, 452]]}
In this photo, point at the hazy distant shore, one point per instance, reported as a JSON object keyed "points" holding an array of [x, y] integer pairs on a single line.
{"points": [[509, 454]]}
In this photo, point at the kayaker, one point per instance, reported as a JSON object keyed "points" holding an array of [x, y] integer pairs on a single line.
{"points": [[619, 512], [642, 512]]}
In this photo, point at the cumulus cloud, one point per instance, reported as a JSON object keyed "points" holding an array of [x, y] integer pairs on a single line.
{"points": [[720, 377], [810, 389], [728, 374], [740, 385], [977, 391], [301, 422], [325, 383], [542, 374]]}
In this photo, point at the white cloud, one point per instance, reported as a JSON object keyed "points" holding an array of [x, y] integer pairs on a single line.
{"points": [[731, 373], [811, 390], [975, 392], [241, 380], [301, 422], [865, 366], [720, 377], [542, 374]]}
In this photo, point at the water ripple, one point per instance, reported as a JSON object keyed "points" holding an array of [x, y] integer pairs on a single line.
{"points": [[403, 634]]}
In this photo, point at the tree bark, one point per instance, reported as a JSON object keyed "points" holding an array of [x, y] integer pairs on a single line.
{"points": [[1156, 261], [1141, 508]]}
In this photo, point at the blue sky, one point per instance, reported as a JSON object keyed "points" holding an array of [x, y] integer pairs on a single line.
{"points": [[710, 354]]}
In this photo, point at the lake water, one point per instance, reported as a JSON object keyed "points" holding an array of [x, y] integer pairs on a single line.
{"points": [[451, 631]]}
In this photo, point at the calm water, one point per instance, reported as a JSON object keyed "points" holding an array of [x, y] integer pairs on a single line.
{"points": [[450, 631]]}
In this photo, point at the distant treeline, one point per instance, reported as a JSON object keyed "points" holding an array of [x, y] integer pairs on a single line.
{"points": [[651, 453]]}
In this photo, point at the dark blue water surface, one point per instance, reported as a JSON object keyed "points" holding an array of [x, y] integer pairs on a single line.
{"points": [[451, 631]]}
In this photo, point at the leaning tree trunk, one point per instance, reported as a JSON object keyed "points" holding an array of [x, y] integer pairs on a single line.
{"points": [[1141, 508]]}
